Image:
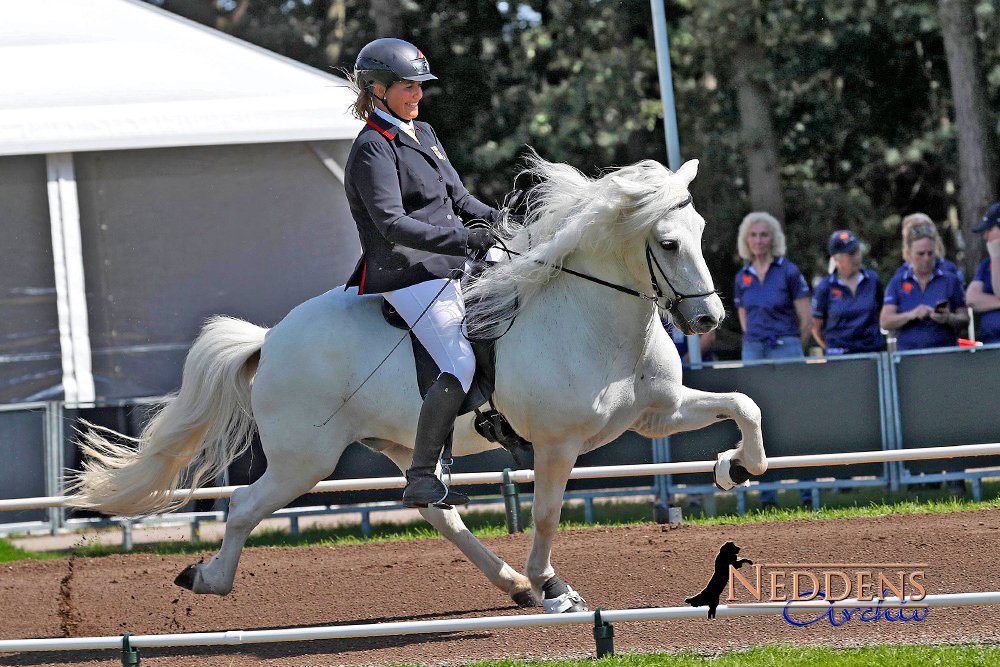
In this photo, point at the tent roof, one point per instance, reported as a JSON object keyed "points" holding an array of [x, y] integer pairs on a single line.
{"points": [[121, 74]]}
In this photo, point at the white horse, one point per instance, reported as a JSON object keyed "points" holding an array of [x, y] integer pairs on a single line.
{"points": [[581, 365]]}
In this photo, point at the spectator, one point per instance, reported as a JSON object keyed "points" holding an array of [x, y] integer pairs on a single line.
{"points": [[773, 302], [771, 295], [981, 295], [925, 303], [846, 304], [922, 221]]}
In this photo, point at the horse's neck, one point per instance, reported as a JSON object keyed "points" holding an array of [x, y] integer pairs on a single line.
{"points": [[609, 317]]}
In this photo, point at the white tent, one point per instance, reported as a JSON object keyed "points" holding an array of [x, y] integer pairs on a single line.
{"points": [[154, 172]]}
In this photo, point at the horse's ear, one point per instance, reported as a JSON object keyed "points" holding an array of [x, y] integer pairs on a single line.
{"points": [[687, 172]]}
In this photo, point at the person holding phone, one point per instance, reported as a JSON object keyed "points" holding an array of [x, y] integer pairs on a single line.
{"points": [[924, 303]]}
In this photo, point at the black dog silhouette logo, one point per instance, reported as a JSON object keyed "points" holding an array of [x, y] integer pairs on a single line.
{"points": [[709, 597]]}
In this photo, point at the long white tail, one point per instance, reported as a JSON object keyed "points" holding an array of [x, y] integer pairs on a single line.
{"points": [[197, 433]]}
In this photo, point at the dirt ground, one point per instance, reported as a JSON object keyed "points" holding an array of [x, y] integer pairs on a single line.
{"points": [[616, 568]]}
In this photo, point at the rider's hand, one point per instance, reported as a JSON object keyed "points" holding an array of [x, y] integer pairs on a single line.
{"points": [[479, 243]]}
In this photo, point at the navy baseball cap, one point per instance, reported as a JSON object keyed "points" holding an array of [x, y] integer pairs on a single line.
{"points": [[991, 219], [843, 241]]}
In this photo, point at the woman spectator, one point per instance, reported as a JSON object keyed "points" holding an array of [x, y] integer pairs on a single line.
{"points": [[846, 304], [923, 222], [924, 302], [771, 295], [773, 302], [981, 294]]}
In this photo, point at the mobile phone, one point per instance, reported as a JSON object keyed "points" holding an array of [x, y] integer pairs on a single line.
{"points": [[941, 306]]}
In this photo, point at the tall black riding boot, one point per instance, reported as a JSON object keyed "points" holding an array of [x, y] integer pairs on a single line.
{"points": [[434, 429]]}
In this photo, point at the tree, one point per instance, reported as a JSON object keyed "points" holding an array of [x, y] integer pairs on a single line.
{"points": [[978, 148]]}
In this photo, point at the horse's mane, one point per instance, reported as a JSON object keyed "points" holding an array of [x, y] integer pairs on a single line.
{"points": [[569, 211]]}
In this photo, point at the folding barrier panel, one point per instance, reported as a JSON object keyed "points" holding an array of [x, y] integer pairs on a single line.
{"points": [[948, 397], [22, 451], [816, 406]]}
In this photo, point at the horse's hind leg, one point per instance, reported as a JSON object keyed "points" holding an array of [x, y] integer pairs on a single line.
{"points": [[449, 523], [289, 474]]}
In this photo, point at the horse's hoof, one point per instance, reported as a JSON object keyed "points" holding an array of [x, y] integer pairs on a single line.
{"points": [[186, 578], [560, 598], [524, 599], [739, 474], [729, 472]]}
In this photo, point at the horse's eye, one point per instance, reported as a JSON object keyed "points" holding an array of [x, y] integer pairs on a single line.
{"points": [[670, 245]]}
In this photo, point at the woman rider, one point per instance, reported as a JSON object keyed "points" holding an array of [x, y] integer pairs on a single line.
{"points": [[409, 204]]}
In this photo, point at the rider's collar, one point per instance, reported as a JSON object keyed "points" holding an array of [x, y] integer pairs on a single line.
{"points": [[406, 127]]}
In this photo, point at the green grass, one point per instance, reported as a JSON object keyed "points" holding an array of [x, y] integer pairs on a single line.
{"points": [[789, 656], [852, 503]]}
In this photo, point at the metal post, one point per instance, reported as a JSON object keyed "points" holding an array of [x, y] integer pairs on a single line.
{"points": [[511, 503], [127, 535], [293, 525], [817, 501], [53, 457], [588, 510], [130, 656], [196, 529], [604, 635], [741, 502], [670, 124], [366, 523], [977, 489]]}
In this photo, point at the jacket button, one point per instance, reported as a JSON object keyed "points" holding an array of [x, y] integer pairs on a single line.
{"points": [[441, 179], [449, 217]]}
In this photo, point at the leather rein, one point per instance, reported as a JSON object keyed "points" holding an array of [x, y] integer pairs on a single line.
{"points": [[651, 261]]}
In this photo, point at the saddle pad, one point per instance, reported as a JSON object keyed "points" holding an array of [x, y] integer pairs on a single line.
{"points": [[483, 382]]}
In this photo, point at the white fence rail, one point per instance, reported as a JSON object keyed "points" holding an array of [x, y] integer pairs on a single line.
{"points": [[490, 622], [591, 472]]}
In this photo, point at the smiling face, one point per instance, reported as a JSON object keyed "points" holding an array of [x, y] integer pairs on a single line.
{"points": [[403, 98], [760, 240]]}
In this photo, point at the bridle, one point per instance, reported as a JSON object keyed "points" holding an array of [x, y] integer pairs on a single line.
{"points": [[671, 303]]}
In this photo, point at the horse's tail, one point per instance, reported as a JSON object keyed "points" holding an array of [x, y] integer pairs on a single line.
{"points": [[193, 437]]}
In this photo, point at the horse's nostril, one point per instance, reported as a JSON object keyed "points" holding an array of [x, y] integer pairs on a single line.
{"points": [[706, 322]]}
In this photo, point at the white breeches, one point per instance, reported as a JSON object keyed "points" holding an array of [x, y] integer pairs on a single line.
{"points": [[441, 327]]}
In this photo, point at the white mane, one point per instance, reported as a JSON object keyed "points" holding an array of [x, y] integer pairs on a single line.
{"points": [[569, 211]]}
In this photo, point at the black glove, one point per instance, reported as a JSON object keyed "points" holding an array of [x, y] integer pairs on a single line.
{"points": [[479, 243]]}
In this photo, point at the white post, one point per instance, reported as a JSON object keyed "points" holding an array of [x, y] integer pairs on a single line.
{"points": [[71, 295]]}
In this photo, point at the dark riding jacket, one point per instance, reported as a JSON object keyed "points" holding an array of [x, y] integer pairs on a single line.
{"points": [[409, 204]]}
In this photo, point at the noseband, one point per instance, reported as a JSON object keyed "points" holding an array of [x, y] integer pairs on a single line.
{"points": [[679, 296]]}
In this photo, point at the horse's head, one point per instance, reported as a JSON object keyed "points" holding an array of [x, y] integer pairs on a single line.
{"points": [[665, 256]]}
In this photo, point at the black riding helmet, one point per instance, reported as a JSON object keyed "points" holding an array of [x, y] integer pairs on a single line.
{"points": [[389, 60]]}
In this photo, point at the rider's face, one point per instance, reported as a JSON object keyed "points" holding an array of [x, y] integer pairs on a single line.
{"points": [[403, 98]]}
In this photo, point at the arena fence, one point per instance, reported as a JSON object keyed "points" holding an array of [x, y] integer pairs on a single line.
{"points": [[509, 478], [601, 619]]}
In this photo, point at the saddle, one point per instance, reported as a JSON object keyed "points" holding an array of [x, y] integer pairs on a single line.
{"points": [[490, 423]]}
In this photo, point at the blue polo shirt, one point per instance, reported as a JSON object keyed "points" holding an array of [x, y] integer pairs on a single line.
{"points": [[850, 320], [945, 265], [770, 305], [904, 292], [989, 322]]}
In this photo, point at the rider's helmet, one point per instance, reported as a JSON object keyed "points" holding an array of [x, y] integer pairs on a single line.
{"points": [[388, 60]]}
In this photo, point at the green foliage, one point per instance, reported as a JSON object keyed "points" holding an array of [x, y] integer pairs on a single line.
{"points": [[859, 93]]}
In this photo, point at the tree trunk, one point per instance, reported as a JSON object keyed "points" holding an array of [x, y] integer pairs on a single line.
{"points": [[760, 144], [388, 18], [977, 141]]}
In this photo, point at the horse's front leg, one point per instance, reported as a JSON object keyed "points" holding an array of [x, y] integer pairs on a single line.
{"points": [[553, 464], [697, 409]]}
